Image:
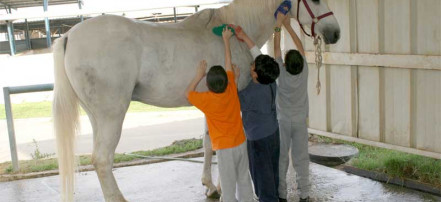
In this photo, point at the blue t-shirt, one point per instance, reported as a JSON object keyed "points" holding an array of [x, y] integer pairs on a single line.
{"points": [[258, 106]]}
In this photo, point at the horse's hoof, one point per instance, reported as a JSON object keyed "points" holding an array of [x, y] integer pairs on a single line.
{"points": [[212, 195]]}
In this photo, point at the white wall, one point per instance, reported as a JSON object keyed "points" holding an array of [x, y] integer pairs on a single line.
{"points": [[397, 106]]}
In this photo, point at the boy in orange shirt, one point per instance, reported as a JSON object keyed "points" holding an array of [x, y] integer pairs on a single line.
{"points": [[222, 110]]}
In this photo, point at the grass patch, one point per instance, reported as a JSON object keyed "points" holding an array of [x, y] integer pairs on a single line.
{"points": [[28, 110], [36, 155], [38, 165], [394, 163], [9, 169], [44, 109]]}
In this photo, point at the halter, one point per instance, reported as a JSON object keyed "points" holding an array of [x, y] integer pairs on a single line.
{"points": [[317, 40], [315, 20]]}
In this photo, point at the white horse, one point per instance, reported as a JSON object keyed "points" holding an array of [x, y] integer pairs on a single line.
{"points": [[105, 62]]}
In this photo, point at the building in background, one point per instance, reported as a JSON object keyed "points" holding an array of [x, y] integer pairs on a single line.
{"points": [[38, 33]]}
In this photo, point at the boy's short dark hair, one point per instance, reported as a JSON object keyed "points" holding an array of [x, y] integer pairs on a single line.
{"points": [[294, 62], [217, 79], [266, 68]]}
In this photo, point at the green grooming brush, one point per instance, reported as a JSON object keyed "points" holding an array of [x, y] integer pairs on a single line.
{"points": [[219, 29]]}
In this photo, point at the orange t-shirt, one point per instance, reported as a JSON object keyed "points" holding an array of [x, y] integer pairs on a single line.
{"points": [[222, 111]]}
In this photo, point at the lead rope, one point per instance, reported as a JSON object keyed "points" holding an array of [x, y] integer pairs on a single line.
{"points": [[318, 60]]}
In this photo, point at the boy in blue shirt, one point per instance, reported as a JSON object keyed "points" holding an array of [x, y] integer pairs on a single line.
{"points": [[259, 117]]}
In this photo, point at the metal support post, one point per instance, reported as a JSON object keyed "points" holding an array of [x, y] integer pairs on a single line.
{"points": [[31, 88], [27, 37], [11, 131], [11, 38], [46, 23], [7, 91], [174, 14], [80, 2]]}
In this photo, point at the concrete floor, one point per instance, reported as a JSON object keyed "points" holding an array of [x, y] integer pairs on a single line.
{"points": [[180, 181]]}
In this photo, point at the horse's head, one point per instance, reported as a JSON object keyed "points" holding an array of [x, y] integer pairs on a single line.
{"points": [[316, 14]]}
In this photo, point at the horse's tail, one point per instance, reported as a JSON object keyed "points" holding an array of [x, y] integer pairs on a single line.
{"points": [[66, 120]]}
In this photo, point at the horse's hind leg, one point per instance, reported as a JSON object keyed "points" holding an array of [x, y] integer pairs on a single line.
{"points": [[106, 139], [106, 110], [206, 173]]}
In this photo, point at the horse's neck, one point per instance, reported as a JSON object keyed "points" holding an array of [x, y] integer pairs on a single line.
{"points": [[255, 17]]}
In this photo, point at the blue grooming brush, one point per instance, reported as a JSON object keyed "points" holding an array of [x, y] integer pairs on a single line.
{"points": [[281, 8]]}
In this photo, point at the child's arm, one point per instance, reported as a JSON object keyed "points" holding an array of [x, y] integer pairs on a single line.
{"points": [[200, 73], [236, 72], [297, 42], [226, 35], [253, 48], [243, 36], [277, 51]]}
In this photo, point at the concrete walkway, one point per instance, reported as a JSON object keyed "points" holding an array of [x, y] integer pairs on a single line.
{"points": [[180, 181], [141, 131]]}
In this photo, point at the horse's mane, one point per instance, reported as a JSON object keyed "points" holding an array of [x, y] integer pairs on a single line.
{"points": [[241, 12], [200, 20], [246, 12]]}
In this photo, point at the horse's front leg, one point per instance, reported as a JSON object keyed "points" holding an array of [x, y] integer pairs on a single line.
{"points": [[206, 173]]}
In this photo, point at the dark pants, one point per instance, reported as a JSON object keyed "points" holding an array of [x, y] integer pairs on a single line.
{"points": [[263, 155]]}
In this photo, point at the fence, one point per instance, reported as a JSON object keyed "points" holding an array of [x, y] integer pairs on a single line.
{"points": [[7, 91], [381, 83]]}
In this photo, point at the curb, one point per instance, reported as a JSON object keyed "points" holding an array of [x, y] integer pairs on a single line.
{"points": [[382, 177], [13, 177]]}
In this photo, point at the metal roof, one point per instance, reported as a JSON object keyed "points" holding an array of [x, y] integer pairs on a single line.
{"points": [[14, 4], [70, 22]]}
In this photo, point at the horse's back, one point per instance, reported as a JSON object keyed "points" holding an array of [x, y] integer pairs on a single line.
{"points": [[148, 62]]}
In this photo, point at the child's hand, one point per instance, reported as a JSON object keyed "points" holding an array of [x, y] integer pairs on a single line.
{"points": [[236, 70], [202, 67], [240, 34], [287, 21], [281, 17], [226, 34]]}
